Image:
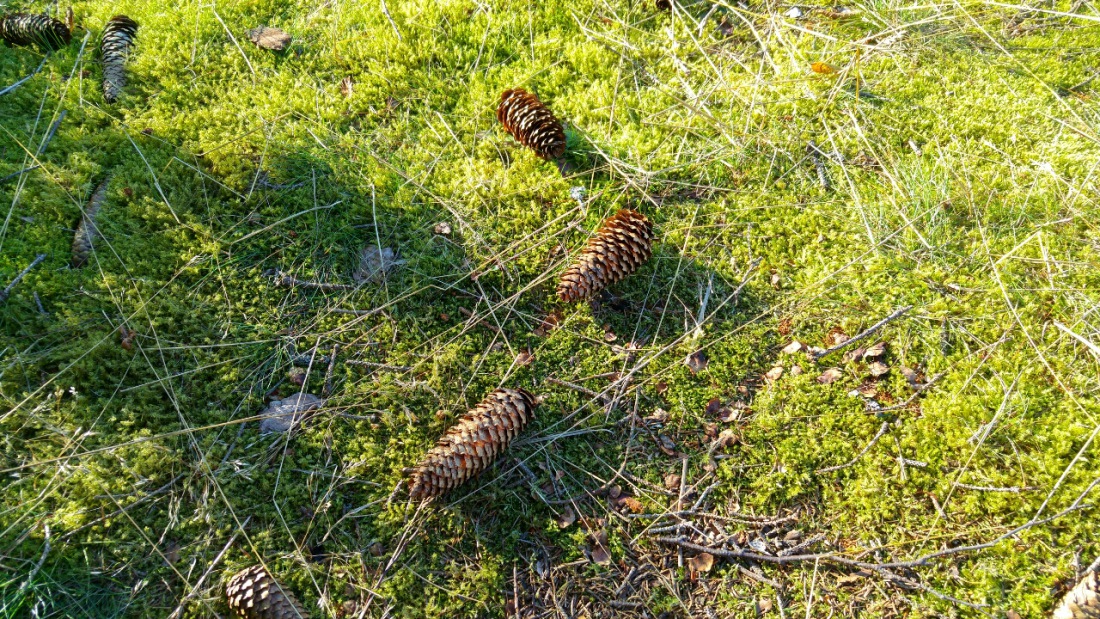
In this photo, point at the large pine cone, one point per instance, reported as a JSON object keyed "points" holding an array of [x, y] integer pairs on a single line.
{"points": [[622, 244], [532, 123], [42, 30], [118, 37], [1083, 601], [254, 594], [86, 232], [472, 444]]}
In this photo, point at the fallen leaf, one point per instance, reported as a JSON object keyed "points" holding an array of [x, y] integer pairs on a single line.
{"points": [[853, 355], [794, 347], [764, 604], [548, 324], [347, 86], [282, 415], [830, 376], [823, 67], [714, 406], [525, 357], [1012, 615], [599, 551], [374, 263], [911, 375], [879, 368], [567, 517], [875, 351], [702, 562], [661, 388], [774, 374], [775, 279], [697, 362], [269, 38], [725, 28], [867, 390], [667, 445], [443, 228], [726, 438], [632, 504], [835, 337], [614, 492], [672, 481], [796, 370]]}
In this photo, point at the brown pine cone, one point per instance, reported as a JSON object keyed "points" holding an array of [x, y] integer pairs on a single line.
{"points": [[1083, 601], [41, 30], [472, 444], [531, 123], [622, 244], [118, 37], [86, 232], [254, 594]]}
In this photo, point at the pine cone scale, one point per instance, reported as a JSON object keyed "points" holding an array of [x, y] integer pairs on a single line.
{"points": [[252, 593], [118, 38], [620, 247], [41, 30], [472, 444], [531, 123]]}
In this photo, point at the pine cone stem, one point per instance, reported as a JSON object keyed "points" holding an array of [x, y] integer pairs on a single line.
{"points": [[622, 244], [531, 123], [118, 38], [252, 593], [471, 445], [41, 30]]}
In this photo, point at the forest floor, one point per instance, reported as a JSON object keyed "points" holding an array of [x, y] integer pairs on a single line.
{"points": [[810, 171]]}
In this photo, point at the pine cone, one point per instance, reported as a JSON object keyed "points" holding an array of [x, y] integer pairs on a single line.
{"points": [[531, 123], [42, 30], [622, 244], [86, 232], [118, 37], [254, 594], [472, 444], [1083, 601]]}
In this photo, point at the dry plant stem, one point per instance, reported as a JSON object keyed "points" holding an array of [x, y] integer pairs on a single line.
{"points": [[49, 134], [602, 397], [6, 292], [898, 313], [380, 366], [327, 390], [881, 432], [467, 313], [20, 173], [218, 559], [20, 82], [1011, 489], [284, 279]]}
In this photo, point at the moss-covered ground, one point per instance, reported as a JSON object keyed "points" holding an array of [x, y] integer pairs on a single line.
{"points": [[960, 142]]}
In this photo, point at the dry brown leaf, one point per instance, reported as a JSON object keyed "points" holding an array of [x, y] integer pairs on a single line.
{"points": [[443, 228], [796, 370], [269, 38], [794, 347], [697, 361], [672, 481], [726, 438], [835, 337], [614, 492], [525, 357], [764, 604], [702, 562], [661, 387], [775, 279], [879, 368], [599, 551], [875, 351], [632, 504], [830, 376], [347, 86], [714, 406], [567, 517], [853, 355], [667, 445], [548, 324], [823, 68], [911, 375], [774, 374]]}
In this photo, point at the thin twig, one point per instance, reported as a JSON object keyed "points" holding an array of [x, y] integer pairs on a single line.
{"points": [[1012, 489], [867, 333], [586, 391], [467, 313], [20, 82], [19, 173], [7, 291], [380, 366], [881, 431], [327, 390], [50, 133], [198, 585], [386, 12]]}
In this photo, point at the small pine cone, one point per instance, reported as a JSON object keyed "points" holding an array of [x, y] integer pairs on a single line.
{"points": [[472, 444], [118, 37], [42, 30], [86, 232], [622, 244], [1083, 601], [532, 123], [254, 594]]}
